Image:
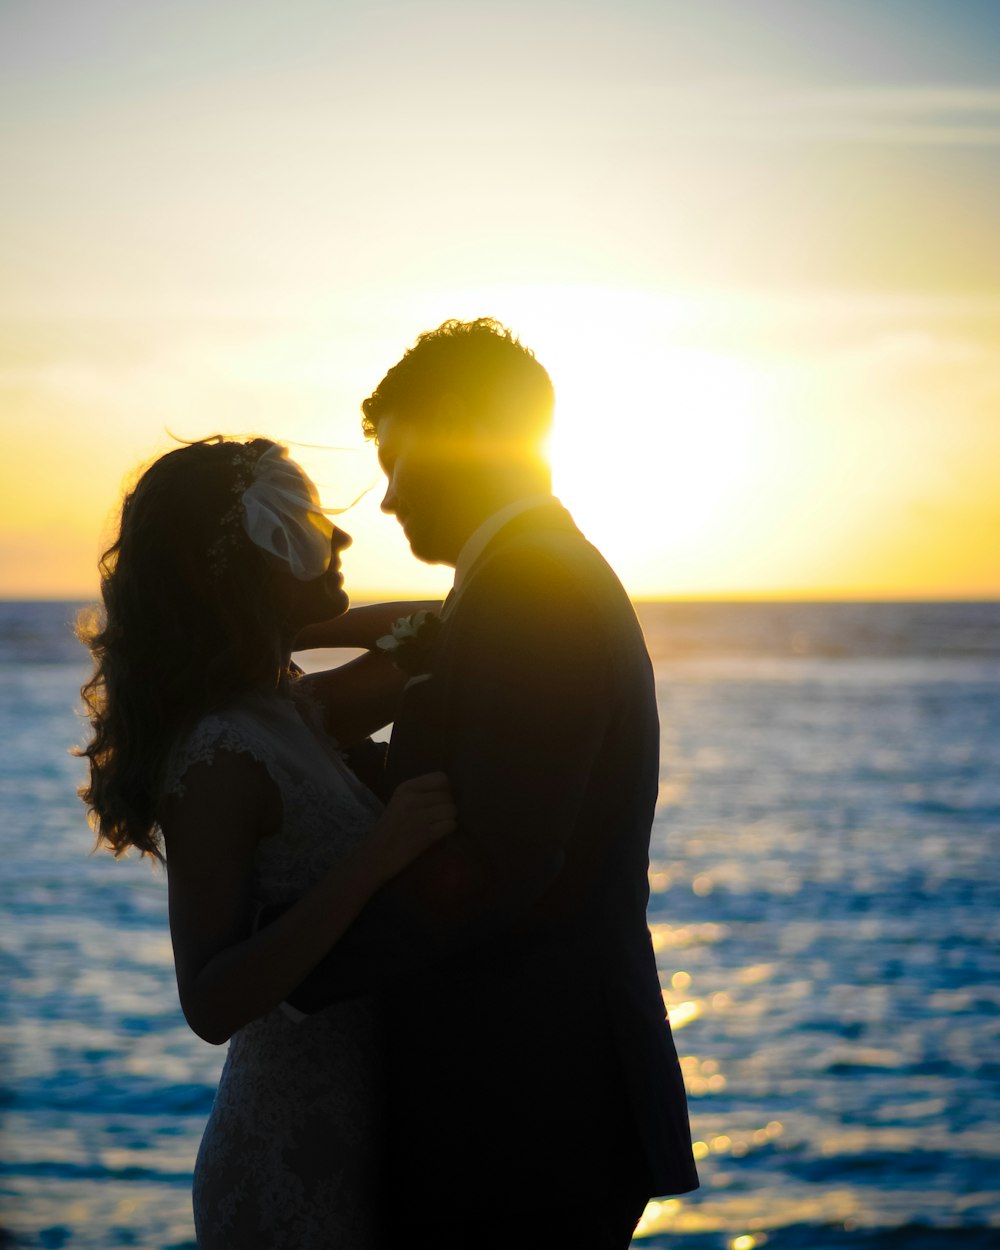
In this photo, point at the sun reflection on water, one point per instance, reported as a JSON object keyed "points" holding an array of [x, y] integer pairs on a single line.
{"points": [[668, 937], [681, 1014], [733, 1210], [837, 1042]]}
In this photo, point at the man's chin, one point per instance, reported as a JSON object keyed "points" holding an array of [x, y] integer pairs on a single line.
{"points": [[427, 555], [418, 546], [426, 548]]}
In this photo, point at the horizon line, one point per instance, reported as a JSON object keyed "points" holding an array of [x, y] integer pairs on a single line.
{"points": [[363, 598]]}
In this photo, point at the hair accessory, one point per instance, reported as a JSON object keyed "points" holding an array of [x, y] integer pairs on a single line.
{"points": [[231, 521], [278, 509], [282, 515]]}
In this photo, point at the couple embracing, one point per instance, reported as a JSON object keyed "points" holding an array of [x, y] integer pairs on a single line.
{"points": [[432, 966]]}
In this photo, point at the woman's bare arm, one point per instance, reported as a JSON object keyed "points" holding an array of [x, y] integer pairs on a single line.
{"points": [[361, 696], [227, 975], [357, 698], [361, 627]]}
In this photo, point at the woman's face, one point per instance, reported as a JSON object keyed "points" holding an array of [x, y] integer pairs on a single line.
{"points": [[321, 598]]}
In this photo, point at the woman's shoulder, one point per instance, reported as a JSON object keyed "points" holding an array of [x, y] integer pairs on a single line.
{"points": [[242, 728]]}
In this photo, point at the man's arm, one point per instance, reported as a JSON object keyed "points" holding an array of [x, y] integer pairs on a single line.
{"points": [[526, 693]]}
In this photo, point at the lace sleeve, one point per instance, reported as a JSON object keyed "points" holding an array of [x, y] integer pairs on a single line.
{"points": [[211, 735]]}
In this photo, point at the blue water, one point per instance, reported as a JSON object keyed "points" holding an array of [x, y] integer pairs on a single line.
{"points": [[825, 907]]}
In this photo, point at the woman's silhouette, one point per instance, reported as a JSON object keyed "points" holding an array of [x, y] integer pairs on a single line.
{"points": [[207, 751]]}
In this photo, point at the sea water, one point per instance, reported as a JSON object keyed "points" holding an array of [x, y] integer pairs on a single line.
{"points": [[825, 909]]}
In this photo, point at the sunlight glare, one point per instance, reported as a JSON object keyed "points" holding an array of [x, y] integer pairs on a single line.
{"points": [[662, 441], [658, 445]]}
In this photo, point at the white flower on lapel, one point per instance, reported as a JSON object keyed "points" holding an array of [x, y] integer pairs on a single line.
{"points": [[410, 642]]}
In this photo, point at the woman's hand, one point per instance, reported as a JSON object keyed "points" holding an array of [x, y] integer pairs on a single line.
{"points": [[420, 813]]}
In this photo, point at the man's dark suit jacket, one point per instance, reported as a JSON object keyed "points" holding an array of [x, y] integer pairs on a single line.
{"points": [[524, 1012]]}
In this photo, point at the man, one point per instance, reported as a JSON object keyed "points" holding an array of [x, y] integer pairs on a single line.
{"points": [[535, 1095]]}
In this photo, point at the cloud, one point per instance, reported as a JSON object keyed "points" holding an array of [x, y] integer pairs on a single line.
{"points": [[913, 115]]}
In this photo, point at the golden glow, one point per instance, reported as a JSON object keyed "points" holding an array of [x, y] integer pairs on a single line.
{"points": [[658, 452], [759, 394], [697, 471]]}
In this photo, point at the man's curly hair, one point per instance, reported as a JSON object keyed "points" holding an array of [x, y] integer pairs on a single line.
{"points": [[481, 364]]}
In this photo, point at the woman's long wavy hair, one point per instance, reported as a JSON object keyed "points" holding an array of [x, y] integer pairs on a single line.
{"points": [[190, 620]]}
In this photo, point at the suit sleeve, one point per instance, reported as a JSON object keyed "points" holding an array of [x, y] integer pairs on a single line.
{"points": [[526, 696]]}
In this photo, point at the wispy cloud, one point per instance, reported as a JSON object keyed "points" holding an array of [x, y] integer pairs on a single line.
{"points": [[923, 115]]}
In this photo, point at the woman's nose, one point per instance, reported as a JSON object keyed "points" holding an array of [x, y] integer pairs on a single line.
{"points": [[340, 539]]}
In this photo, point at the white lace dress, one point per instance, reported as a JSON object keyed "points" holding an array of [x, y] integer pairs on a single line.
{"points": [[289, 1155]]}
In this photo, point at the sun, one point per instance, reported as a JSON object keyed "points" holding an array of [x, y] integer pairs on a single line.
{"points": [[660, 447], [657, 456]]}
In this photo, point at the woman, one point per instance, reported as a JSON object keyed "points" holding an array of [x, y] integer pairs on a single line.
{"points": [[207, 752]]}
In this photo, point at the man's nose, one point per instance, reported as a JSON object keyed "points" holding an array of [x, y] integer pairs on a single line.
{"points": [[389, 499], [340, 539]]}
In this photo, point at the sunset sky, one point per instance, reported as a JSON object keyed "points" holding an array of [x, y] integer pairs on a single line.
{"points": [[755, 243]]}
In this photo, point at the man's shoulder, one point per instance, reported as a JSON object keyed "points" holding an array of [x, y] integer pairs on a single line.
{"points": [[551, 559], [545, 579]]}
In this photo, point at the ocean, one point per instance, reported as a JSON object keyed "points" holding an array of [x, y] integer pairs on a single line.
{"points": [[825, 908]]}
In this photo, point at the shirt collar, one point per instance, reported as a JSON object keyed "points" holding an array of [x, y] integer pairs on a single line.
{"points": [[480, 538]]}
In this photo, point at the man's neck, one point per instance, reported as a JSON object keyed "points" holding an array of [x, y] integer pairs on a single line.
{"points": [[486, 531], [500, 486]]}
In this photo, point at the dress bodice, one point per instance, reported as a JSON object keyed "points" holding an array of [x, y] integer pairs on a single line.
{"points": [[325, 808]]}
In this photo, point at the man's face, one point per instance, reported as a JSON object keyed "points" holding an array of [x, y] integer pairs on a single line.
{"points": [[421, 485]]}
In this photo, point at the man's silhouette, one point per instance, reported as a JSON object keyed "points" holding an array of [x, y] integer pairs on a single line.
{"points": [[535, 1097]]}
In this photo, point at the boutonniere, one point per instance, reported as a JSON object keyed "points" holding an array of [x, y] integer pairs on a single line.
{"points": [[410, 642]]}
